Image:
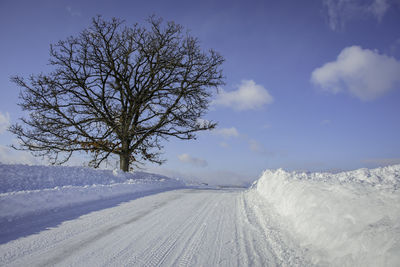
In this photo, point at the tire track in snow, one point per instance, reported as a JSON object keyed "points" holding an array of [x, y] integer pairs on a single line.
{"points": [[219, 233], [156, 255], [197, 238], [194, 243], [65, 252], [127, 239]]}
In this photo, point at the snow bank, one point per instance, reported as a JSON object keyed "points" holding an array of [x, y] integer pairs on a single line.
{"points": [[345, 219], [23, 177], [33, 189]]}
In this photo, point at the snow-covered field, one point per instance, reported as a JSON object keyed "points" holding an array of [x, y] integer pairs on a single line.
{"points": [[344, 219], [27, 190], [78, 216]]}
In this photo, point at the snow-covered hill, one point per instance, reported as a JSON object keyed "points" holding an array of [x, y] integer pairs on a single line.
{"points": [[344, 219], [28, 190]]}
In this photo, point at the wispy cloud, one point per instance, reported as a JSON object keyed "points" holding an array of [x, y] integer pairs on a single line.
{"points": [[226, 132], [248, 96], [252, 144], [378, 8], [255, 146], [11, 156], [224, 145], [267, 126], [259, 148], [186, 158], [362, 72], [73, 12], [4, 122], [395, 46], [325, 122], [342, 11]]}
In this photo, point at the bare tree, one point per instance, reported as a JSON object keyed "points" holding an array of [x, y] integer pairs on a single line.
{"points": [[118, 90]]}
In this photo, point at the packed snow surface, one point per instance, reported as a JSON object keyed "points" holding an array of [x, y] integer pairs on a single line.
{"points": [[28, 190], [83, 217], [188, 227], [344, 219]]}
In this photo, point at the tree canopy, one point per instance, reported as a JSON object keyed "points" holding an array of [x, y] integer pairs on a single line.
{"points": [[118, 90]]}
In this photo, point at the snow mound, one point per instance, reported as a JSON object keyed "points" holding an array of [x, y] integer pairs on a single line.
{"points": [[344, 219], [23, 177], [26, 190]]}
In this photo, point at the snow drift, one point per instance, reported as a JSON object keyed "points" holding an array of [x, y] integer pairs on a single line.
{"points": [[28, 190], [344, 219]]}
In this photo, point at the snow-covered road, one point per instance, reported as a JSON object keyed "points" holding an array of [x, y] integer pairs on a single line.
{"points": [[187, 227]]}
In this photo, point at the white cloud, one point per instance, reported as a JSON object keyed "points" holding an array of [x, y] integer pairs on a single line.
{"points": [[4, 122], [226, 132], [342, 11], [249, 95], [186, 158], [11, 156], [362, 72]]}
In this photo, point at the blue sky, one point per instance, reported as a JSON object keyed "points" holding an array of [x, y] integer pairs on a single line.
{"points": [[310, 85]]}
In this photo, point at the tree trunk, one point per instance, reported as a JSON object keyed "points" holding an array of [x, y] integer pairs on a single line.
{"points": [[124, 162]]}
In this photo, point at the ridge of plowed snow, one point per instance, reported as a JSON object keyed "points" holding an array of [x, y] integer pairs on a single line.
{"points": [[344, 219], [20, 177]]}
